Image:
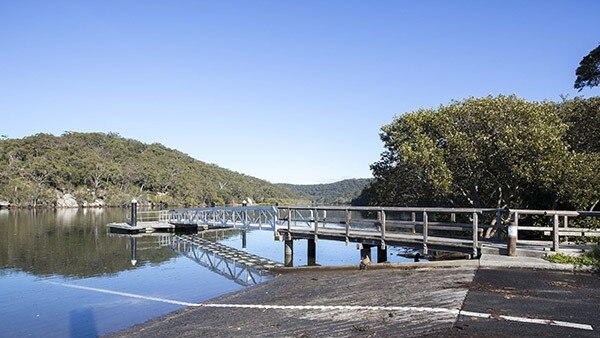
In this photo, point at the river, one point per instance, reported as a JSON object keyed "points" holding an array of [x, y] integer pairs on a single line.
{"points": [[63, 274]]}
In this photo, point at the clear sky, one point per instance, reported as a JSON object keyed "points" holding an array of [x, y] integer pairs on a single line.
{"points": [[287, 91]]}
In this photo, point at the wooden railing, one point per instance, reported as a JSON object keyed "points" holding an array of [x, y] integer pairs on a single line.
{"points": [[558, 221], [465, 229], [429, 227]]}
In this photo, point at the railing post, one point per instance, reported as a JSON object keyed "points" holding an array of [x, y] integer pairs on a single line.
{"points": [[316, 218], [382, 222], [513, 234], [413, 219], [348, 219], [475, 234], [555, 238], [425, 232], [289, 220]]}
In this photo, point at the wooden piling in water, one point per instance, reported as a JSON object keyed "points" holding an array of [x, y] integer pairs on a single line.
{"points": [[311, 252], [288, 253], [382, 255]]}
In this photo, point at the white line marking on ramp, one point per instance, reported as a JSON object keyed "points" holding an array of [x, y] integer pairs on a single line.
{"points": [[338, 307], [125, 294], [548, 322]]}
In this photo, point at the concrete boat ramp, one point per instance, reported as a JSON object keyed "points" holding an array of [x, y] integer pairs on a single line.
{"points": [[474, 298]]}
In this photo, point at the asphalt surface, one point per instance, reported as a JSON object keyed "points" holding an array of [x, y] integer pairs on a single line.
{"points": [[543, 294], [396, 303]]}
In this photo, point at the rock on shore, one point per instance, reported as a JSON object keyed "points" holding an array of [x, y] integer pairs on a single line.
{"points": [[66, 201]]}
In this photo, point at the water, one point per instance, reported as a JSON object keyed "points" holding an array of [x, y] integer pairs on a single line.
{"points": [[62, 273]]}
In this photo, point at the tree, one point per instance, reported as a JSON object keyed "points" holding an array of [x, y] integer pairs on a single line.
{"points": [[482, 152], [582, 117], [588, 72], [90, 166]]}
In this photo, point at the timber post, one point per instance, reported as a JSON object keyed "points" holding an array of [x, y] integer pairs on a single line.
{"points": [[316, 218], [475, 234], [513, 234], [555, 238], [425, 232], [348, 220]]}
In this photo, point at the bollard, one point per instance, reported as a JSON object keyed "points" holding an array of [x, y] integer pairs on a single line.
{"points": [[133, 212], [512, 236]]}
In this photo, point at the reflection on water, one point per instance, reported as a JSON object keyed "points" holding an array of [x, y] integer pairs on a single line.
{"points": [[69, 242], [62, 274], [67, 217], [45, 253]]}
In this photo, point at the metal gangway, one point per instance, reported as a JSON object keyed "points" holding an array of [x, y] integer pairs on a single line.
{"points": [[239, 266], [260, 217]]}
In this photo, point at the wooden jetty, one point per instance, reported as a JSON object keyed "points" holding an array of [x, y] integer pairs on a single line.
{"points": [[466, 230]]}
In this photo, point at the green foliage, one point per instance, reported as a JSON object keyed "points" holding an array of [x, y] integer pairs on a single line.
{"points": [[588, 72], [107, 167], [342, 192], [490, 152], [589, 258], [582, 117]]}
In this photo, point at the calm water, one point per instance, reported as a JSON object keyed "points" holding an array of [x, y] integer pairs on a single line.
{"points": [[62, 274]]}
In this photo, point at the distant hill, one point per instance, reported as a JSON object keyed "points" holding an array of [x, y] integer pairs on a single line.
{"points": [[342, 192], [96, 169]]}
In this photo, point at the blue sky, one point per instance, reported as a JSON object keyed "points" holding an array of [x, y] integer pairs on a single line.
{"points": [[287, 91]]}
